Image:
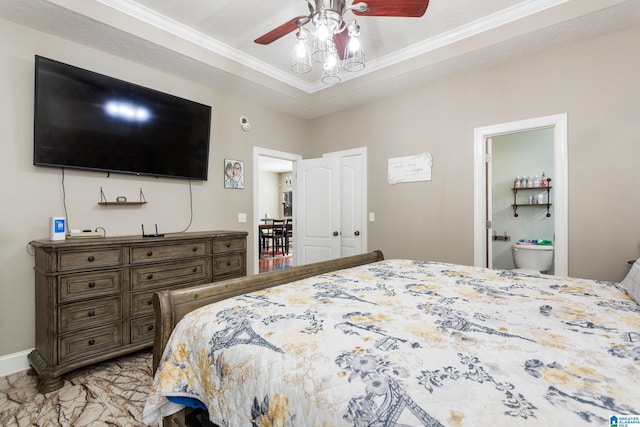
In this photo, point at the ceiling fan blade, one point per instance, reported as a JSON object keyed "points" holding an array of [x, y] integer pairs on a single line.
{"points": [[400, 8], [281, 31], [341, 41]]}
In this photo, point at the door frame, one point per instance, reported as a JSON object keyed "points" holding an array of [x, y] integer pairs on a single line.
{"points": [[560, 185], [257, 152]]}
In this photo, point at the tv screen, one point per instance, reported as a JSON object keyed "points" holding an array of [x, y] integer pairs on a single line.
{"points": [[86, 120]]}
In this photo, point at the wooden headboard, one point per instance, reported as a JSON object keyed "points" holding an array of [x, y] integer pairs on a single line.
{"points": [[171, 305]]}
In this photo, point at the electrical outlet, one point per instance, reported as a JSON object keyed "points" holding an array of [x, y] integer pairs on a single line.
{"points": [[242, 217]]}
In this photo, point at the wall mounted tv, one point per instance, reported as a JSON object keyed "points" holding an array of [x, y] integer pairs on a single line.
{"points": [[86, 120]]}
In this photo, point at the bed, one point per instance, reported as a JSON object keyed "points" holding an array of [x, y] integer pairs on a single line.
{"points": [[364, 341]]}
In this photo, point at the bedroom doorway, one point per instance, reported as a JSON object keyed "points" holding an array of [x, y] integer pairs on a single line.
{"points": [[277, 186], [483, 226]]}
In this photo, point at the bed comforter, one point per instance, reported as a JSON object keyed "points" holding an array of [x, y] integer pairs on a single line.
{"points": [[409, 343]]}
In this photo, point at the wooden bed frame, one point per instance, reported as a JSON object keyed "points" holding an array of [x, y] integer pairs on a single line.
{"points": [[172, 305]]}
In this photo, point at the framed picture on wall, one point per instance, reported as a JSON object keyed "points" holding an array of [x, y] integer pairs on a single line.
{"points": [[233, 174]]}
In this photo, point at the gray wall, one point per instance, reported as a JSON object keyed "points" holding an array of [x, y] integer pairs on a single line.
{"points": [[30, 195], [594, 82]]}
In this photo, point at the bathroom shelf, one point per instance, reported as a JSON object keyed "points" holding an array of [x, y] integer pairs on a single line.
{"points": [[517, 205]]}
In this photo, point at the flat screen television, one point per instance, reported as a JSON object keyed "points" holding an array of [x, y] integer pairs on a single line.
{"points": [[86, 120]]}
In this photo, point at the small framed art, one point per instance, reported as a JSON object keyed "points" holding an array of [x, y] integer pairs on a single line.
{"points": [[233, 174]]}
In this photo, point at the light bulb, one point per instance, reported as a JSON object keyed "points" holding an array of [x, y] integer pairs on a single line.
{"points": [[301, 48], [331, 61], [354, 44], [323, 30]]}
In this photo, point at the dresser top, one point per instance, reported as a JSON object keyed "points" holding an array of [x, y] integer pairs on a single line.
{"points": [[169, 237]]}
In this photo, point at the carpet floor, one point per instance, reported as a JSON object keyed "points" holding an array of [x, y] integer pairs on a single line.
{"points": [[111, 393]]}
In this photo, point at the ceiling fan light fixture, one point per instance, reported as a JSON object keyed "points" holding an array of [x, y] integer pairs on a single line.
{"points": [[327, 17], [301, 60]]}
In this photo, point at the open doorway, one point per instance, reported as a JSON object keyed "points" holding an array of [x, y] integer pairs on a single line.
{"points": [[273, 201], [522, 211], [482, 181]]}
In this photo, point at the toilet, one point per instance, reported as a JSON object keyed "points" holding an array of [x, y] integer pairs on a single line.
{"points": [[532, 259]]}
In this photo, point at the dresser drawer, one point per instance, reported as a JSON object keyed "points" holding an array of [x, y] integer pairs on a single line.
{"points": [[142, 302], [79, 286], [82, 315], [229, 245], [167, 252], [158, 275], [227, 265], [143, 329], [76, 260], [89, 343]]}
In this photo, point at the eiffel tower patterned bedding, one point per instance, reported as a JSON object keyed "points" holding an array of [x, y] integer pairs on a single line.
{"points": [[408, 343]]}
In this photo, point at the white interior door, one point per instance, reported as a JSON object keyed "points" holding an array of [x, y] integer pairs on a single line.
{"points": [[317, 225], [351, 194]]}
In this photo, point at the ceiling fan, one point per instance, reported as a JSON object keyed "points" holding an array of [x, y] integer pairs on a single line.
{"points": [[334, 37]]}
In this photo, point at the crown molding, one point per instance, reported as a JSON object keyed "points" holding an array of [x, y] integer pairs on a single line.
{"points": [[501, 18]]}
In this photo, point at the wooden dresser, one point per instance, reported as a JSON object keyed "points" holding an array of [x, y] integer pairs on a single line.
{"points": [[94, 295]]}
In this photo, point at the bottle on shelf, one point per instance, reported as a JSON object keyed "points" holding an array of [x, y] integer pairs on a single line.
{"points": [[536, 181], [517, 183], [530, 182], [543, 180]]}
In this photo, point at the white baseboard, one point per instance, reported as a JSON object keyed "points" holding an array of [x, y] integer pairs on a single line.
{"points": [[12, 363]]}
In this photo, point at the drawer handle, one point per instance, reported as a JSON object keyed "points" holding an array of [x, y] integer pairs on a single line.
{"points": [[194, 269], [149, 301], [150, 328], [91, 341], [194, 249], [92, 285], [228, 263], [149, 276], [91, 313], [150, 253], [228, 244], [91, 258]]}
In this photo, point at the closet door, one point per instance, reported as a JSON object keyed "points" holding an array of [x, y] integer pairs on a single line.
{"points": [[317, 224], [334, 195], [351, 206]]}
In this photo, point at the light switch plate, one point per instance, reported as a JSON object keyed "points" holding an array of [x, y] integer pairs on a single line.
{"points": [[242, 217], [372, 216]]}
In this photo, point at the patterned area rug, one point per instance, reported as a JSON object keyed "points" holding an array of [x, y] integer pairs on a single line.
{"points": [[111, 393]]}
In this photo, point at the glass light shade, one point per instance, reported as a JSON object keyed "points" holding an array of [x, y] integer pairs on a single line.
{"points": [[331, 69], [301, 59], [320, 49], [323, 41], [353, 55]]}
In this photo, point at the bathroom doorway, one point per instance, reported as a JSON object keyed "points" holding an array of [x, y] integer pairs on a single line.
{"points": [[556, 126], [528, 157]]}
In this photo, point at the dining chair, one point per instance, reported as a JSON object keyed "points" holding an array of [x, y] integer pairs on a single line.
{"points": [[277, 236]]}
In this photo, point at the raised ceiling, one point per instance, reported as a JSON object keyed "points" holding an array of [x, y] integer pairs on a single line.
{"points": [[211, 42]]}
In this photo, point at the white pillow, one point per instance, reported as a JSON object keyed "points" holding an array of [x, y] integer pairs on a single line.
{"points": [[631, 283]]}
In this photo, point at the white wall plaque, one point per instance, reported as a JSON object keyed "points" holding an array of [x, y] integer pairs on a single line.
{"points": [[410, 168]]}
